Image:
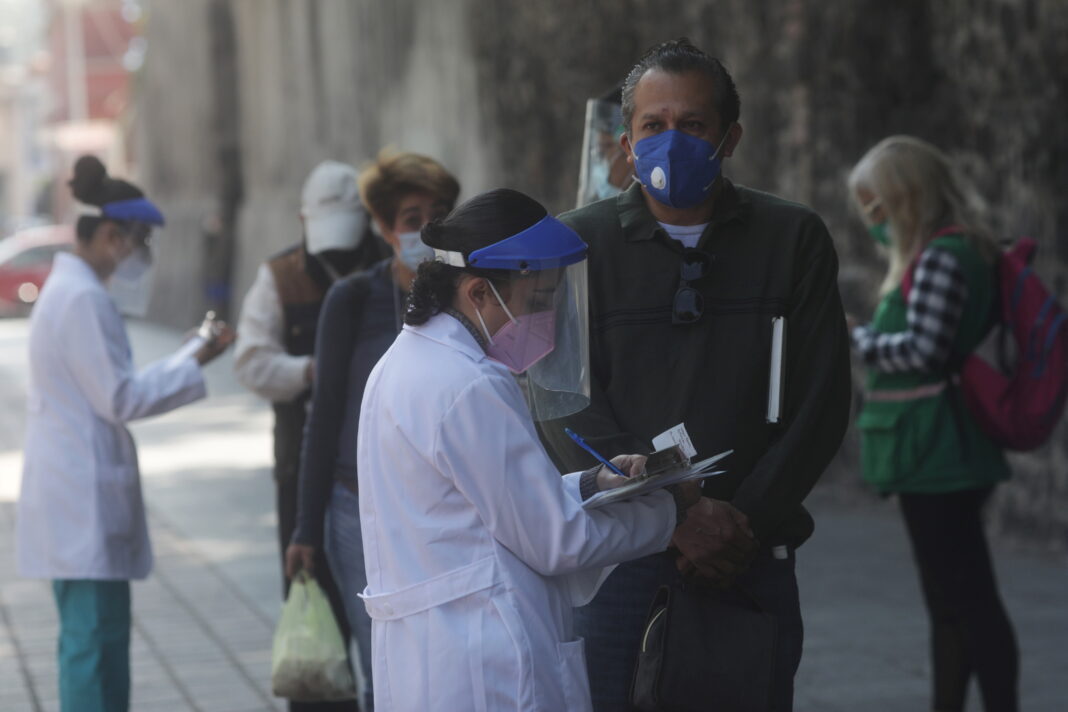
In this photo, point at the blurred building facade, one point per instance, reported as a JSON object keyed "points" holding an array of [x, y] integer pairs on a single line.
{"points": [[238, 99], [65, 68], [24, 169]]}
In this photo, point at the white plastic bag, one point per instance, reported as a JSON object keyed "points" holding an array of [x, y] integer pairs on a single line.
{"points": [[308, 661]]}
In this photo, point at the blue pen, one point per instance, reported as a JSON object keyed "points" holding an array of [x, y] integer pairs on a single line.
{"points": [[600, 458]]}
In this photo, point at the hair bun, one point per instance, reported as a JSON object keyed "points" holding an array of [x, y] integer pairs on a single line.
{"points": [[431, 232], [89, 180]]}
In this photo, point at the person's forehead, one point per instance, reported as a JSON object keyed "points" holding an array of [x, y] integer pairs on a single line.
{"points": [[657, 90], [865, 194], [413, 202]]}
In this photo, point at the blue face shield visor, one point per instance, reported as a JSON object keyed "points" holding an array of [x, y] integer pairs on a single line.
{"points": [[546, 300], [547, 244], [141, 210]]}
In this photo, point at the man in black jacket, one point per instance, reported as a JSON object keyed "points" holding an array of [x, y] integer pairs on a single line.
{"points": [[687, 272]]}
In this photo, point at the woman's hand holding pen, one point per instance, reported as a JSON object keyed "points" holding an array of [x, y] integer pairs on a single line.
{"points": [[631, 465]]}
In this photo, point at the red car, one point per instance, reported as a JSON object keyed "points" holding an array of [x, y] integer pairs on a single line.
{"points": [[25, 261]]}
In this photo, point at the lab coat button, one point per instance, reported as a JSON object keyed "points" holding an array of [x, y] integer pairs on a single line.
{"points": [[387, 609]]}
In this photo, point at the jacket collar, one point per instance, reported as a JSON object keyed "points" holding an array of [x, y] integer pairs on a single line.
{"points": [[446, 330], [638, 223], [74, 266]]}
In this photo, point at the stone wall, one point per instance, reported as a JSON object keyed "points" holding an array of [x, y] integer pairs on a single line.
{"points": [[240, 98]]}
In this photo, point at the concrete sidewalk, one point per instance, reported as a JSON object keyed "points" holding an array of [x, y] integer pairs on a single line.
{"points": [[204, 619]]}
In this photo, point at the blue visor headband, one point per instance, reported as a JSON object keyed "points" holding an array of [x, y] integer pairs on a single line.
{"points": [[546, 244], [133, 210]]}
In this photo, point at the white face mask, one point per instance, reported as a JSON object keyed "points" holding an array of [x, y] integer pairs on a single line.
{"points": [[412, 250], [130, 285]]}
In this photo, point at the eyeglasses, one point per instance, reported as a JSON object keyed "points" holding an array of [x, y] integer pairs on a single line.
{"points": [[689, 305]]}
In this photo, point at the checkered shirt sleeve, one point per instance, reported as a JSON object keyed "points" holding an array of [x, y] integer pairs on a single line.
{"points": [[936, 301]]}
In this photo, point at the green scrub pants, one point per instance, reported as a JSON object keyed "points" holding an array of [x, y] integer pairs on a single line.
{"points": [[94, 645]]}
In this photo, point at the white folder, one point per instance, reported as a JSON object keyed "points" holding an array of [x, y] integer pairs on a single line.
{"points": [[777, 369]]}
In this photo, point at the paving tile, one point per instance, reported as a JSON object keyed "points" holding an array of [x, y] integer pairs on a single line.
{"points": [[144, 694]]}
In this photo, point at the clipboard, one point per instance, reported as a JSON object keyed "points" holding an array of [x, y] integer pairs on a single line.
{"points": [[652, 482]]}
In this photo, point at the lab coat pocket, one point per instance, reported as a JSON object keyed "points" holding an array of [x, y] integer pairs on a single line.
{"points": [[499, 667], [118, 502], [573, 677]]}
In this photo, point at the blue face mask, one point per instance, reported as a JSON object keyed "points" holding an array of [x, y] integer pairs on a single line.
{"points": [[676, 168], [413, 251]]}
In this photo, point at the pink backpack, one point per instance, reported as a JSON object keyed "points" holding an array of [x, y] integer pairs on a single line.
{"points": [[1018, 404]]}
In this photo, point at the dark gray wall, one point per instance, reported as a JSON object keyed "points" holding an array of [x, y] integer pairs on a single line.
{"points": [[234, 116]]}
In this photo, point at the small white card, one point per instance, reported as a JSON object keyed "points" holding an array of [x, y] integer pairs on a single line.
{"points": [[675, 436]]}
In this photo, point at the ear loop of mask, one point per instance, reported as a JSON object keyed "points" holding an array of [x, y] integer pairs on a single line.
{"points": [[499, 301], [718, 149]]}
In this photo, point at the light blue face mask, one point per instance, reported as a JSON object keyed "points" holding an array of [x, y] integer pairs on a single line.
{"points": [[599, 183], [413, 251]]}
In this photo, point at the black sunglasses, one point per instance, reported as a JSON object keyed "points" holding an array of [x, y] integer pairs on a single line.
{"points": [[689, 305]]}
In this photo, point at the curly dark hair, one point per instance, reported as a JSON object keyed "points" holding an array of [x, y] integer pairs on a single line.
{"points": [[481, 221]]}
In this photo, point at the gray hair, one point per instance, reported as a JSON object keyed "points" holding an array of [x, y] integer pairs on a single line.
{"points": [[678, 57]]}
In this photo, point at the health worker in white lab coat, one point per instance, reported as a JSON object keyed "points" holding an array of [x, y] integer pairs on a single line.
{"points": [[476, 549], [81, 519]]}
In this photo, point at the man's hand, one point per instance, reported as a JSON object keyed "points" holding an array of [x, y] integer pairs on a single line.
{"points": [[223, 336], [299, 556], [716, 540], [631, 465]]}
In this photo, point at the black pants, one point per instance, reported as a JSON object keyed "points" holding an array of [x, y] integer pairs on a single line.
{"points": [[286, 502], [970, 631]]}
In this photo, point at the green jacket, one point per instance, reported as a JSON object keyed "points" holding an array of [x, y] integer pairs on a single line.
{"points": [[770, 258], [931, 443]]}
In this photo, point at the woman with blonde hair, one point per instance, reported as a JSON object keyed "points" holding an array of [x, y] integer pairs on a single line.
{"points": [[918, 439], [361, 317]]}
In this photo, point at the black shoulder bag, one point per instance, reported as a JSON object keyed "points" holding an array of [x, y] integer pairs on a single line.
{"points": [[704, 650]]}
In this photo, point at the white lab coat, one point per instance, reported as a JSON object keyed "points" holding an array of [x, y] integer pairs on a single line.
{"points": [[472, 540], [80, 512]]}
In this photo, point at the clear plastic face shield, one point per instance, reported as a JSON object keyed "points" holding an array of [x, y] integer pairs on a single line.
{"points": [[546, 337], [604, 171], [130, 285]]}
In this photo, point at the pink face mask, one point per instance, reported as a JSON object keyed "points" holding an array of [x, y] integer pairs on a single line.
{"points": [[523, 341]]}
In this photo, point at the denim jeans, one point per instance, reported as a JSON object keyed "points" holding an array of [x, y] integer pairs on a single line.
{"points": [[613, 622], [344, 551]]}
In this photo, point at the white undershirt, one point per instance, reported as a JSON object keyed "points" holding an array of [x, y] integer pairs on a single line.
{"points": [[688, 235]]}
